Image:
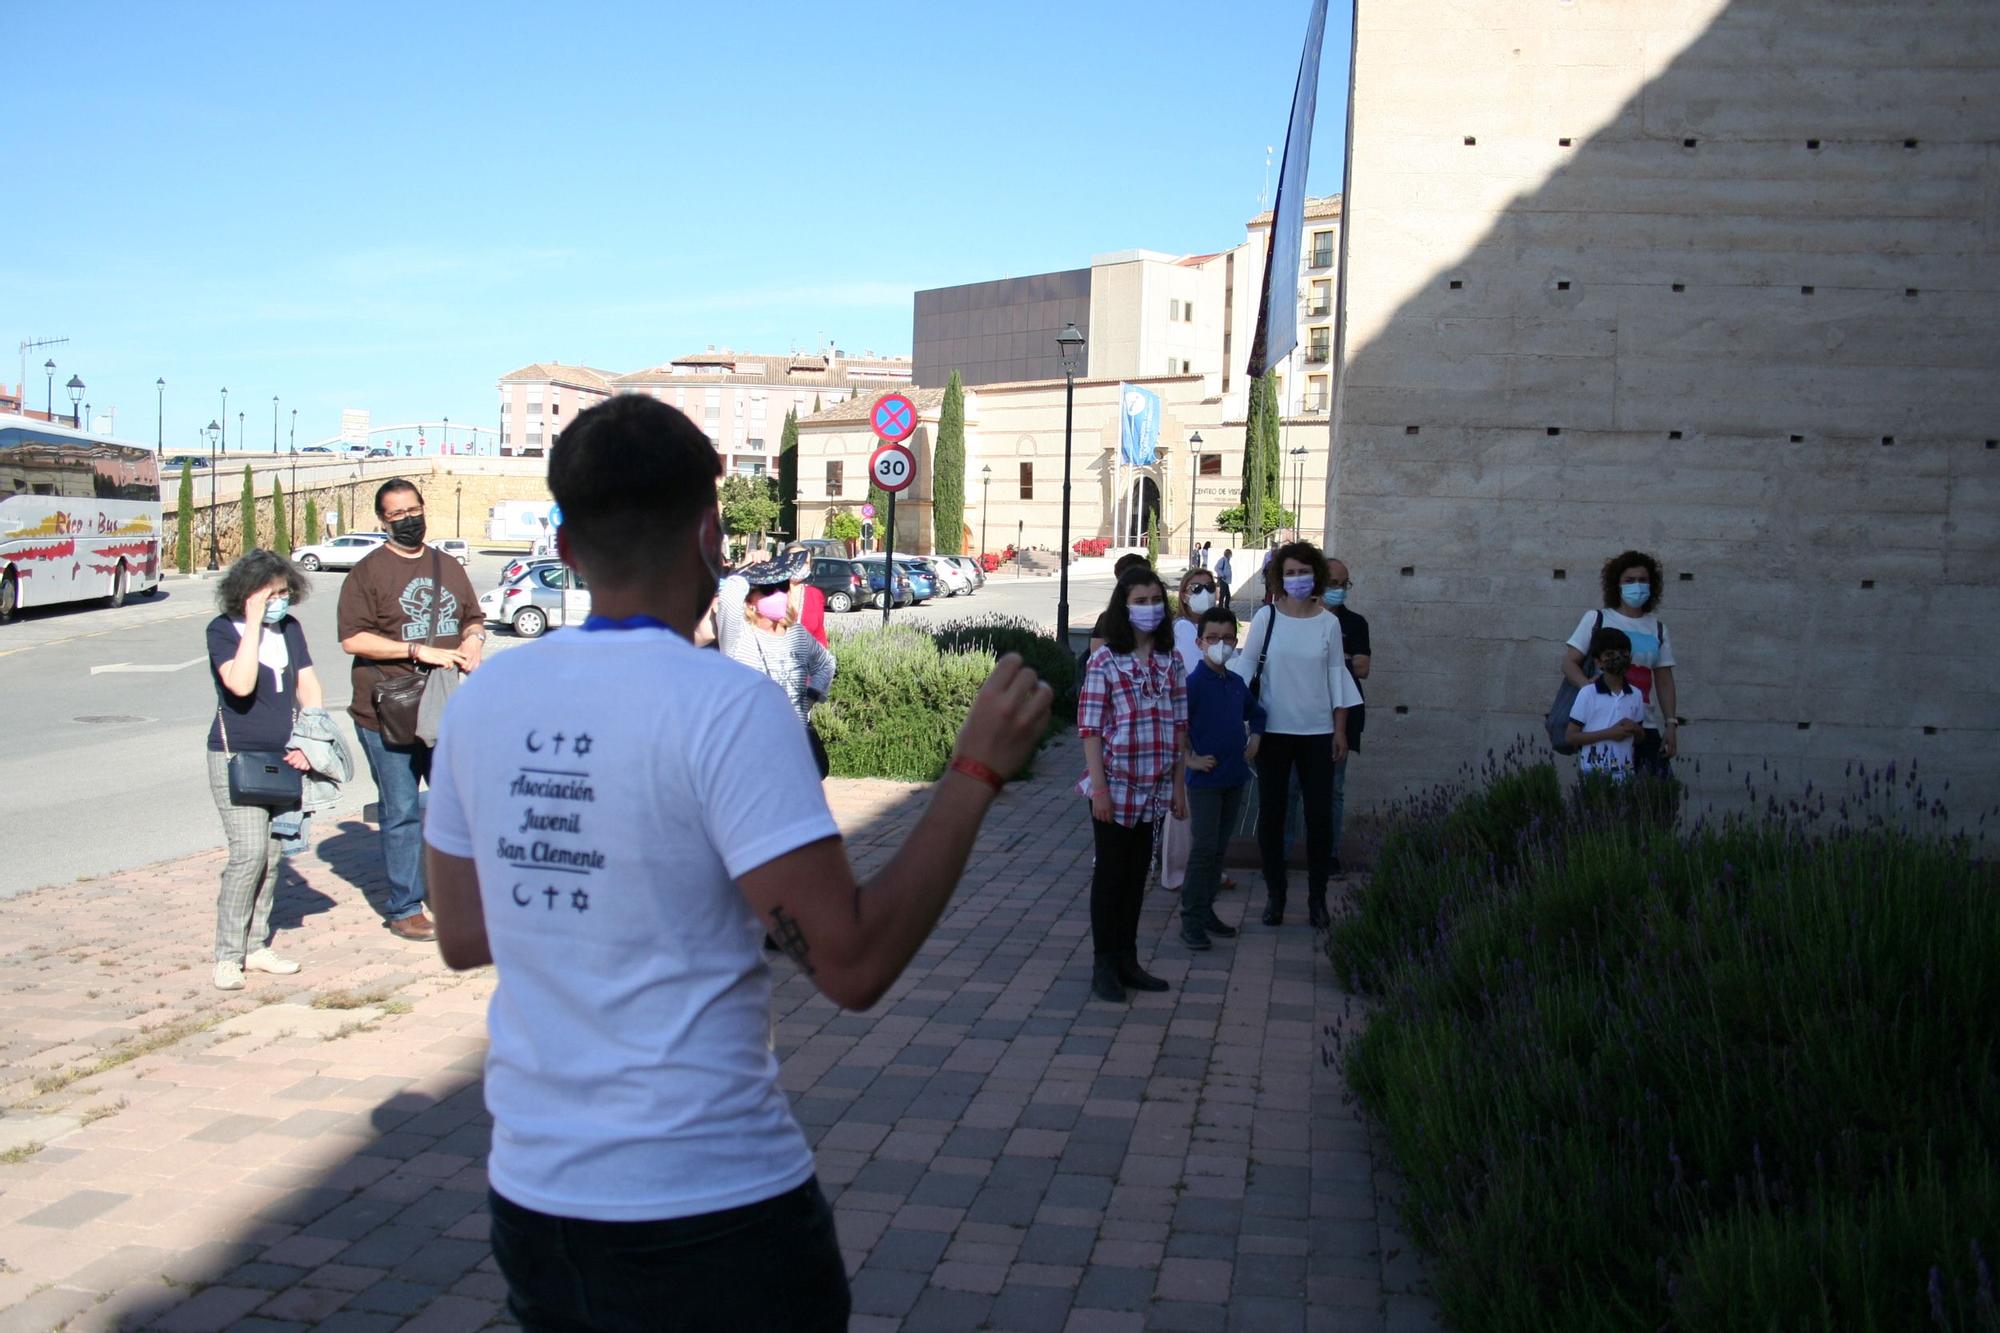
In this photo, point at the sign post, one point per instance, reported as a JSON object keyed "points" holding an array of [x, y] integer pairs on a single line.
{"points": [[892, 467]]}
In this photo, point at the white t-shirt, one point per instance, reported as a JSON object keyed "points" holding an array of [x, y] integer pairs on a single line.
{"points": [[1305, 676], [611, 785], [1651, 647], [1596, 708]]}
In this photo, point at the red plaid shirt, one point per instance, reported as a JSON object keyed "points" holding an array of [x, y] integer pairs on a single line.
{"points": [[1139, 706]]}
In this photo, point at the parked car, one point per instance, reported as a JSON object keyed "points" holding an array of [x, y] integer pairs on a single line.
{"points": [[922, 585], [457, 549], [343, 552], [851, 584], [541, 595], [950, 579], [825, 546], [195, 461], [315, 449], [381, 451], [973, 569]]}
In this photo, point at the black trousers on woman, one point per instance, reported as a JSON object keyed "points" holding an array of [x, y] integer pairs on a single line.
{"points": [[1278, 756], [1118, 886]]}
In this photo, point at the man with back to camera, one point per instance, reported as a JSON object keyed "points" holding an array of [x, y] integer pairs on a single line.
{"points": [[404, 608], [617, 851]]}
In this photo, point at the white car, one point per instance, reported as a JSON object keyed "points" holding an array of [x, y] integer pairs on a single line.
{"points": [[951, 580], [456, 548], [343, 552]]}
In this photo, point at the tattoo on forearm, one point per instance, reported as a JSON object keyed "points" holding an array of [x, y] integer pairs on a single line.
{"points": [[785, 933]]}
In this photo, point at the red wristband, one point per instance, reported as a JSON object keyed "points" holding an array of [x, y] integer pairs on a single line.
{"points": [[972, 768]]}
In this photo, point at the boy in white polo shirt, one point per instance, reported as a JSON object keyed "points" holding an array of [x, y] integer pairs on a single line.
{"points": [[617, 819], [1608, 714]]}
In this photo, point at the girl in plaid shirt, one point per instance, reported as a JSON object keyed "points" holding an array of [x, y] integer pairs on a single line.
{"points": [[1132, 716]]}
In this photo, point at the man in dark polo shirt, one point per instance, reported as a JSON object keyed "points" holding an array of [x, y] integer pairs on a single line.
{"points": [[387, 608], [1354, 646]]}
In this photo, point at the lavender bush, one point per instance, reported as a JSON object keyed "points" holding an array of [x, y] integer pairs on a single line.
{"points": [[1737, 1075]]}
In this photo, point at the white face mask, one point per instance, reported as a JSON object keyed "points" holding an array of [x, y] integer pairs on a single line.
{"points": [[1219, 653], [1200, 600]]}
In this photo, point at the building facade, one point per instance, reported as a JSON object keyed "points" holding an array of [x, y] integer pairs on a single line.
{"points": [[739, 398], [1712, 280]]}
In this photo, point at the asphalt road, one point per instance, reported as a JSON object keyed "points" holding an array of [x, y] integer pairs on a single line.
{"points": [[105, 712]]}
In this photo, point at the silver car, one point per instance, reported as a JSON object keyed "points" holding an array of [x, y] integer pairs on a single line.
{"points": [[343, 552], [537, 597]]}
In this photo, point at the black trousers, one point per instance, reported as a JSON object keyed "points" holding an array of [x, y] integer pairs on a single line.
{"points": [[772, 1266], [1118, 885], [1278, 756]]}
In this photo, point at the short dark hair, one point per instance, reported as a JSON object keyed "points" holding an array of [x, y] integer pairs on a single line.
{"points": [[630, 474], [1306, 554], [1119, 636], [1608, 639], [1217, 615], [252, 570], [1614, 570], [1128, 562], [390, 487]]}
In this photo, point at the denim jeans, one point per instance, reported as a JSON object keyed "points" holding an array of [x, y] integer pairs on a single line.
{"points": [[772, 1266], [397, 770], [1212, 813]]}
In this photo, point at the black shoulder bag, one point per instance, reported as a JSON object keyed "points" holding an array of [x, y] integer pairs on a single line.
{"points": [[259, 777], [1257, 677], [398, 699]]}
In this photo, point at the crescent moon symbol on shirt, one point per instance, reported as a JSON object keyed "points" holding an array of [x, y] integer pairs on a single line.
{"points": [[531, 743], [519, 901]]}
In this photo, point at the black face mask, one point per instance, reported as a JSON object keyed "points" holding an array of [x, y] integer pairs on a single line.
{"points": [[408, 531]]}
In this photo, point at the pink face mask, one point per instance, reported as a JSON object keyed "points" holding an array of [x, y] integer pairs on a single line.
{"points": [[773, 605]]}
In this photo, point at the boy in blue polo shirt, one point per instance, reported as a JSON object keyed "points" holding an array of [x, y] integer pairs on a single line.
{"points": [[1218, 768]]}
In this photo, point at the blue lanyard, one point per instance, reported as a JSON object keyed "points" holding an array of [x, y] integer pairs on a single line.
{"points": [[629, 622]]}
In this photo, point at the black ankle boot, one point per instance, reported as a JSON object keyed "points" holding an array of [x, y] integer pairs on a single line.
{"points": [[1316, 910], [1104, 983], [1274, 911], [1136, 977]]}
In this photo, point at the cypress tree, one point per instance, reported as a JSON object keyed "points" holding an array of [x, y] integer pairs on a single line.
{"points": [[249, 510], [948, 473], [1262, 465], [184, 521], [788, 476], [1153, 539], [310, 522], [281, 529]]}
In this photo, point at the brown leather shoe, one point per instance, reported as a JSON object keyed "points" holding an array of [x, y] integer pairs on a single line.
{"points": [[419, 928]]}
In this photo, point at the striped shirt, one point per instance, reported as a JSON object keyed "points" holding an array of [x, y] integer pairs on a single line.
{"points": [[793, 658]]}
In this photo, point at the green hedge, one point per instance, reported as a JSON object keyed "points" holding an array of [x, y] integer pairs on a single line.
{"points": [[897, 703], [1740, 1077], [998, 635]]}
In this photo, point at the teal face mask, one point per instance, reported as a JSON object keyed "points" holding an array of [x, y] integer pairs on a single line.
{"points": [[1334, 597], [1634, 595], [275, 609]]}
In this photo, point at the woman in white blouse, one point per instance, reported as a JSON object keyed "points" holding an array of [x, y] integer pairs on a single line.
{"points": [[1293, 660]]}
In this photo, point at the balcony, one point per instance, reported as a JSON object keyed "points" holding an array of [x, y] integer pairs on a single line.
{"points": [[1321, 258], [1315, 404], [1318, 354], [1320, 311]]}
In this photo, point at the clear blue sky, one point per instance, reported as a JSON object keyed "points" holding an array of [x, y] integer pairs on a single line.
{"points": [[391, 206]]}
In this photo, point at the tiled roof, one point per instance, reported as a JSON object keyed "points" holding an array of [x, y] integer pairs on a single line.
{"points": [[1325, 208], [855, 410], [556, 372]]}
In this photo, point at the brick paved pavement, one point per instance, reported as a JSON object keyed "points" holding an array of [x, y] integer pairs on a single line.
{"points": [[1002, 1151]]}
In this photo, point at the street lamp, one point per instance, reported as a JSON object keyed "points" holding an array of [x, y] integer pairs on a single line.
{"points": [[212, 433], [1298, 491], [49, 403], [294, 442], [75, 387], [1071, 342], [225, 421], [274, 423], [444, 445], [458, 515], [1194, 480], [242, 435], [160, 418], [985, 496]]}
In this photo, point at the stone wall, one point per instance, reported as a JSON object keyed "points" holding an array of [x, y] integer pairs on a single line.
{"points": [[1715, 279]]}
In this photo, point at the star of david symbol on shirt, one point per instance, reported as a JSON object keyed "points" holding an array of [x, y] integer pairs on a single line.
{"points": [[582, 745], [579, 900]]}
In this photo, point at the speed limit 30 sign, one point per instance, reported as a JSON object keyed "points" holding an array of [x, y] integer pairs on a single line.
{"points": [[893, 467]]}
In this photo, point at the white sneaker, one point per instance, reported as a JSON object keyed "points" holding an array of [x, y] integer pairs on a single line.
{"points": [[229, 976], [266, 961]]}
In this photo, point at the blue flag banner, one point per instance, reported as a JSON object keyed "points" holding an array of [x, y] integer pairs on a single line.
{"points": [[1138, 425], [1277, 306]]}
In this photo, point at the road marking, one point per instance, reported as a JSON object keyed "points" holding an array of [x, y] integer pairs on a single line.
{"points": [[135, 666]]}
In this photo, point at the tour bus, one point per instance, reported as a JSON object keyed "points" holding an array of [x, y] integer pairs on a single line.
{"points": [[79, 516]]}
